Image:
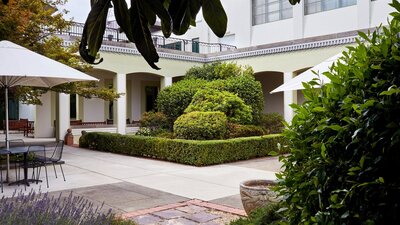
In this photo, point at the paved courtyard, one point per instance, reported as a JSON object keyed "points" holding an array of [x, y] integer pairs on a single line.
{"points": [[152, 191]]}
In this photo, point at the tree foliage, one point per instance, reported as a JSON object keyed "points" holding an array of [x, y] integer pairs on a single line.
{"points": [[33, 24], [345, 139], [176, 17]]}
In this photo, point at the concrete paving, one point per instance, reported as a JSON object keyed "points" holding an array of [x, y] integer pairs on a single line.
{"points": [[127, 183]]}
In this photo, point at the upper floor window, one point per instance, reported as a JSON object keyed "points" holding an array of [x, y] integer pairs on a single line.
{"points": [[265, 11], [314, 6]]}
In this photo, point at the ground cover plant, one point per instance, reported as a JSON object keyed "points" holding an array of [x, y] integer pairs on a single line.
{"points": [[190, 152], [37, 208], [345, 139]]}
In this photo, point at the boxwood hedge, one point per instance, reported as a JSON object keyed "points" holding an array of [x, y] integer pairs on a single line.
{"points": [[191, 152]]}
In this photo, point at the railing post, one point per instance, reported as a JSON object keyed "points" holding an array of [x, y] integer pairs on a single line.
{"points": [[220, 47]]}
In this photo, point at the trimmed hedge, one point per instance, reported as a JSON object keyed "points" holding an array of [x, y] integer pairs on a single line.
{"points": [[191, 152]]}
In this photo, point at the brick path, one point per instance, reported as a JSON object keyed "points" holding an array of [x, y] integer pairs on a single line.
{"points": [[192, 212]]}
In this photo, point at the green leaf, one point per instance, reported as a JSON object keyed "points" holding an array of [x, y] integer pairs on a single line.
{"points": [[142, 35], [158, 8], [93, 31], [381, 180], [215, 16], [318, 109], [362, 160], [180, 14], [122, 17], [323, 151], [364, 36], [273, 153]]}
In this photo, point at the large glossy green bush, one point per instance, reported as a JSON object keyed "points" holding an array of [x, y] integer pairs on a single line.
{"points": [[173, 100], [210, 100], [201, 126], [345, 139], [190, 152]]}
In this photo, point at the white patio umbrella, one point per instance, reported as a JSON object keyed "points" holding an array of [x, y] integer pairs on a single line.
{"points": [[297, 82], [20, 66]]}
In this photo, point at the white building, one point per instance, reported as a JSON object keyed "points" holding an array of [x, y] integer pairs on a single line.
{"points": [[278, 40]]}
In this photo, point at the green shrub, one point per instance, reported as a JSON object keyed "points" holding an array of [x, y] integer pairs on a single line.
{"points": [[210, 100], [173, 100], [218, 70], [154, 120], [267, 215], [272, 123], [190, 152], [247, 88], [237, 130], [345, 139], [201, 126]]}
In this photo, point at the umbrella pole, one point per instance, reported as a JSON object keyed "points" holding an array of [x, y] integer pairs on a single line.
{"points": [[7, 143]]}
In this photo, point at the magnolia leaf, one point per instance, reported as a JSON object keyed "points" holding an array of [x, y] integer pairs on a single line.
{"points": [[93, 31], [215, 16], [294, 2], [323, 151], [162, 13], [180, 14], [121, 13], [142, 35]]}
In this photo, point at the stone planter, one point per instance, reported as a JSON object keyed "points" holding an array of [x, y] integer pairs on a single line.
{"points": [[257, 193]]}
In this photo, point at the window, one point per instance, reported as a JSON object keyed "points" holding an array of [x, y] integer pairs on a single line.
{"points": [[315, 6], [196, 45], [265, 11]]}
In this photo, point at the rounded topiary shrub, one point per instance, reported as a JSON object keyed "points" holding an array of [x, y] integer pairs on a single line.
{"points": [[201, 126], [210, 100], [247, 88]]}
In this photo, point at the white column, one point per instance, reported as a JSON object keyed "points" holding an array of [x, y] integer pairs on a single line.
{"points": [[363, 14], [62, 115], [289, 97], [120, 103], [165, 82], [44, 127], [298, 20]]}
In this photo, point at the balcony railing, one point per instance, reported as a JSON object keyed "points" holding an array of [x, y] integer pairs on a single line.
{"points": [[114, 35]]}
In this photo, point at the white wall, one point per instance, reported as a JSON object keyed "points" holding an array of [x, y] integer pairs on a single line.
{"points": [[93, 110], [363, 15], [331, 22], [380, 10], [27, 111]]}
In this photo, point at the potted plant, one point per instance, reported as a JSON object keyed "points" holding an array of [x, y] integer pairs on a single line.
{"points": [[257, 193]]}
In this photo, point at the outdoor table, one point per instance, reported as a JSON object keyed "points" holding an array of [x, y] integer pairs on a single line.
{"points": [[23, 150]]}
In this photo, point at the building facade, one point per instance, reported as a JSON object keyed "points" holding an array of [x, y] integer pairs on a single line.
{"points": [[278, 40]]}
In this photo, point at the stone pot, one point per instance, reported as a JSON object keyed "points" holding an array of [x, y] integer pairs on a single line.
{"points": [[257, 193]]}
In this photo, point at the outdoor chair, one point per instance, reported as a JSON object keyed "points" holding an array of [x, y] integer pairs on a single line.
{"points": [[56, 157], [3, 156], [17, 159], [39, 160]]}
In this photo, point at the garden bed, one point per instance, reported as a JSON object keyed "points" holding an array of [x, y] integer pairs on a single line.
{"points": [[190, 152]]}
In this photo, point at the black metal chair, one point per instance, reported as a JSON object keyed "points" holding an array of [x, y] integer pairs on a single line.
{"points": [[55, 159], [39, 160], [3, 156], [17, 159]]}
